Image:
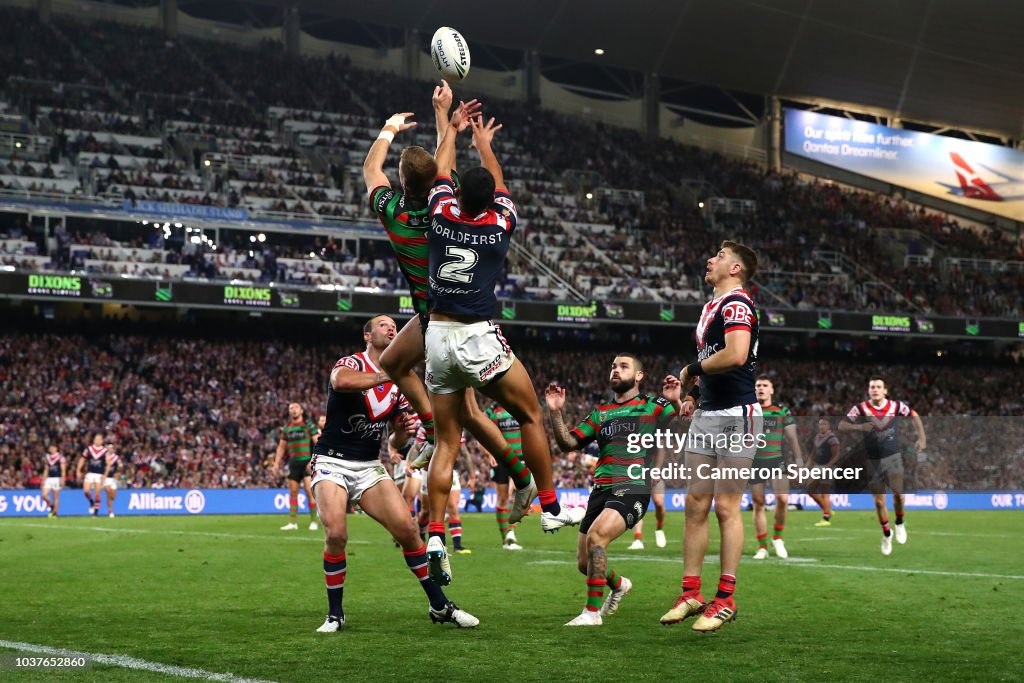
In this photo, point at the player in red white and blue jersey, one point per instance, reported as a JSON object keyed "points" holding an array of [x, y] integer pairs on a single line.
{"points": [[55, 471], [93, 465], [362, 404], [109, 482], [723, 434], [878, 418], [469, 241]]}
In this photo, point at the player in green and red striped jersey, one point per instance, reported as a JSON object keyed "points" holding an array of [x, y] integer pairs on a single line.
{"points": [[778, 422], [511, 430], [297, 439], [622, 490], [405, 218]]}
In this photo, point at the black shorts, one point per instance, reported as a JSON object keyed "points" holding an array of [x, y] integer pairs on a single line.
{"points": [[500, 475], [298, 469], [629, 501], [759, 467]]}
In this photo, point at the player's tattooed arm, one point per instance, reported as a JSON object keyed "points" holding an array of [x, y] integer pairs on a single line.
{"points": [[554, 397], [346, 379]]}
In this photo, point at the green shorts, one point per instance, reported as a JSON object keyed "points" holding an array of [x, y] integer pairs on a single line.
{"points": [[298, 469]]}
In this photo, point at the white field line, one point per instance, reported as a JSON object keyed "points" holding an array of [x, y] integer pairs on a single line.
{"points": [[126, 662], [176, 532], [801, 562]]}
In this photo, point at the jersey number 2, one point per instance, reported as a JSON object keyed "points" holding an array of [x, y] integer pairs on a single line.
{"points": [[456, 270]]}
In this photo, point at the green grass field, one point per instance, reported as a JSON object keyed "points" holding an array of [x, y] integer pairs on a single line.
{"points": [[235, 595]]}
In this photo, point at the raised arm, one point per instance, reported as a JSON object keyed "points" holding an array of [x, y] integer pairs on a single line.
{"points": [[483, 134], [554, 396], [373, 165]]}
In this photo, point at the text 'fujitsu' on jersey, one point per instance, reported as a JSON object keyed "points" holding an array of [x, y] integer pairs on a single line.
{"points": [[357, 420], [467, 253], [732, 311]]}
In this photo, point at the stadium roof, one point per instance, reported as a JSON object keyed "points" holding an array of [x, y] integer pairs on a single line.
{"points": [[938, 61]]}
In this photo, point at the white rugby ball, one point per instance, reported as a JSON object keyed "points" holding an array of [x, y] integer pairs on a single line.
{"points": [[450, 53]]}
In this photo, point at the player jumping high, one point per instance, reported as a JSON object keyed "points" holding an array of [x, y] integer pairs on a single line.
{"points": [[878, 418], [469, 242], [361, 404], [723, 433], [406, 219], [622, 488], [777, 422]]}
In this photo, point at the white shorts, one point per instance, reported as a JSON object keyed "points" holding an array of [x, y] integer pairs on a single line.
{"points": [[52, 483], [398, 470], [110, 483], [460, 355], [355, 476], [456, 482], [732, 432], [93, 478]]}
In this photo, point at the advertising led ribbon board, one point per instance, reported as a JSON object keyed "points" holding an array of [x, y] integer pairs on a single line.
{"points": [[284, 299], [984, 177]]}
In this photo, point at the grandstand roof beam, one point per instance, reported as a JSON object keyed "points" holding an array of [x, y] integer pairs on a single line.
{"points": [[291, 29], [169, 18]]}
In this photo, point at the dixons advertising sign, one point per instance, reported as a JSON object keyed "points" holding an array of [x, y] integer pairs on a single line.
{"points": [[982, 176]]}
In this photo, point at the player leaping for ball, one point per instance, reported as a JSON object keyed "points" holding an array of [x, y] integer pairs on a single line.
{"points": [[469, 243], [622, 489], [361, 404], [405, 217], [877, 418]]}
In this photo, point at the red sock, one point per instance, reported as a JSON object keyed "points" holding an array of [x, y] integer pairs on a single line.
{"points": [[661, 523], [638, 535], [726, 586], [549, 501], [885, 526], [778, 531], [762, 540], [691, 584]]}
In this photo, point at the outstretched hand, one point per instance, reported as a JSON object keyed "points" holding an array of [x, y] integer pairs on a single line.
{"points": [[442, 98], [398, 122], [464, 114], [483, 133], [554, 396]]}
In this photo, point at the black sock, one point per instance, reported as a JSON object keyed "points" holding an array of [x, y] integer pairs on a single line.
{"points": [[899, 519], [417, 563], [334, 573]]}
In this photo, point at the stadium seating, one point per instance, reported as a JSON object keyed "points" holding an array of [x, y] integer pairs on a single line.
{"points": [[611, 215]]}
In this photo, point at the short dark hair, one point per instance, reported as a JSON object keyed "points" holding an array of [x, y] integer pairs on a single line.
{"points": [[746, 256], [476, 190], [636, 361], [765, 378], [418, 172], [369, 323], [877, 378]]}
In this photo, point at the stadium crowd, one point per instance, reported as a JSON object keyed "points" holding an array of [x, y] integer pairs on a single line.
{"points": [[185, 412], [657, 247]]}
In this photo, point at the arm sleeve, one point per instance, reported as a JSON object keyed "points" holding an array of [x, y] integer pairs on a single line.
{"points": [[380, 200], [854, 415], [506, 208], [442, 191], [738, 314], [586, 431], [664, 413]]}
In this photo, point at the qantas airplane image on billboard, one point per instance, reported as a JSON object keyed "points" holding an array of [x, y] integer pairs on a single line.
{"points": [[985, 177]]}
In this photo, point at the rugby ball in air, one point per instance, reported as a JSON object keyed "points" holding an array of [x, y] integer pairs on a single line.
{"points": [[450, 53]]}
